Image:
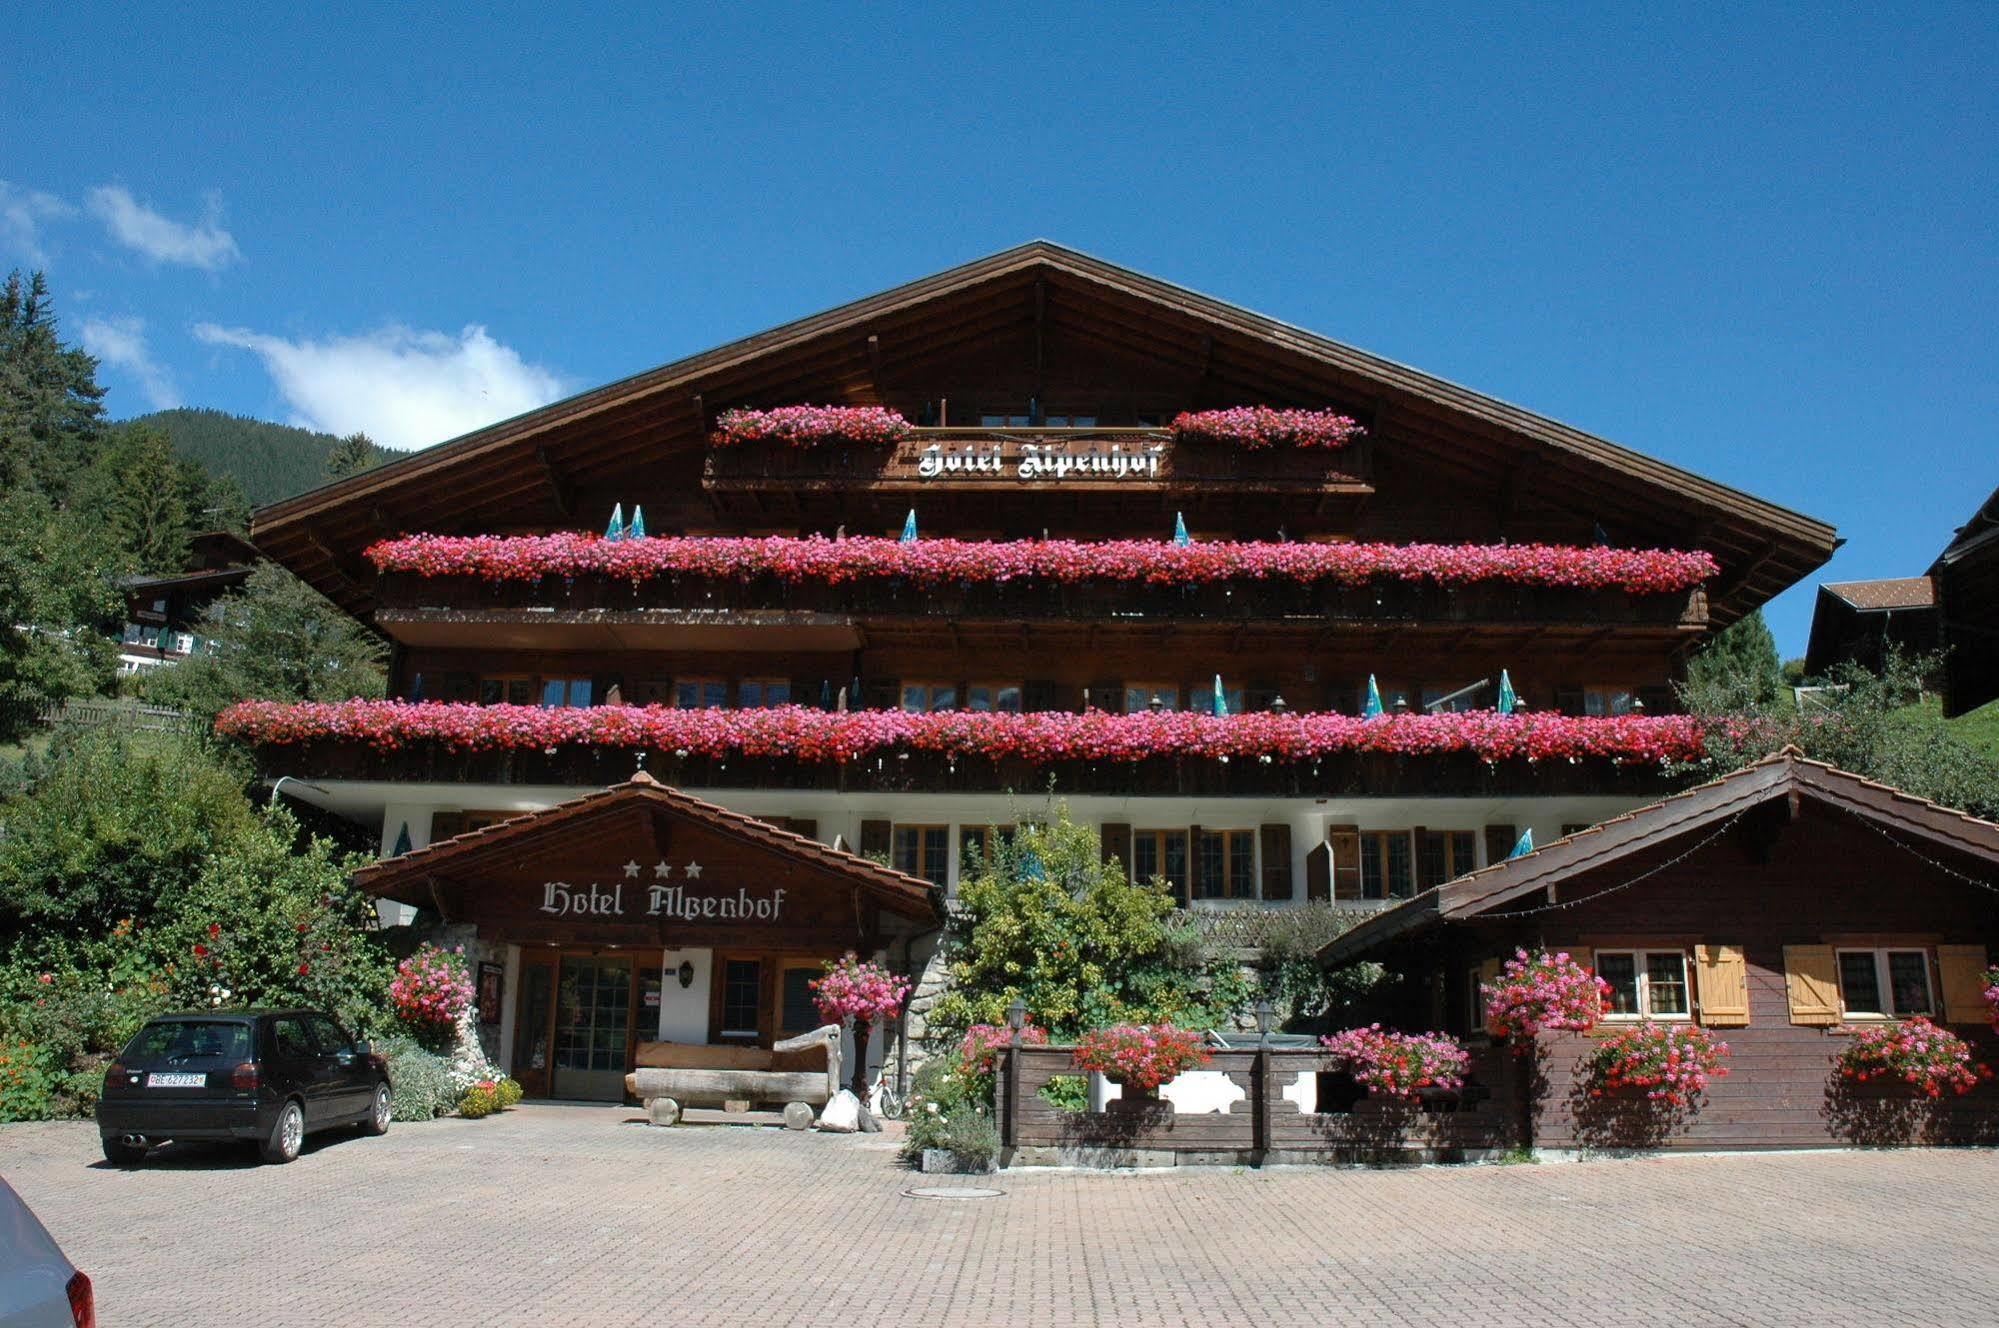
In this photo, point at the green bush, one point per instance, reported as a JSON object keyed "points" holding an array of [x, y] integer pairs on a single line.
{"points": [[510, 1093], [419, 1079], [27, 1089], [481, 1099], [1067, 1092]]}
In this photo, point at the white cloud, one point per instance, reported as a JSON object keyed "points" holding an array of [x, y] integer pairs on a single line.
{"points": [[400, 386], [203, 244], [121, 343], [22, 212]]}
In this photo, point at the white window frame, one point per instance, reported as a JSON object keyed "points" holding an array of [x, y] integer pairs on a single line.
{"points": [[1643, 979], [1882, 982]]}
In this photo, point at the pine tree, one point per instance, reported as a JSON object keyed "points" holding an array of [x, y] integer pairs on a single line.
{"points": [[1737, 669], [51, 408], [145, 499], [352, 455]]}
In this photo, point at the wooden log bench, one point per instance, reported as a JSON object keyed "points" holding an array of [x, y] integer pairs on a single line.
{"points": [[797, 1074]]}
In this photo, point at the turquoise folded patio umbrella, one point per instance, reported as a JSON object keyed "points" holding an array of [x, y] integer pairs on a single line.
{"points": [[402, 841], [1506, 696], [616, 530], [1180, 535], [1373, 706], [1221, 701], [909, 527], [637, 530], [1525, 844]]}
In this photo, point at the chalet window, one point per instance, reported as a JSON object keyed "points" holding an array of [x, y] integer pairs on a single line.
{"points": [[700, 694], [993, 696], [1225, 864], [1003, 421], [1201, 700], [507, 689], [1161, 854], [922, 696], [1140, 696], [1070, 421], [762, 693], [977, 843], [923, 850], [565, 692], [1885, 983], [1386, 865], [1608, 700], [1645, 984], [742, 997], [1447, 855], [797, 1011]]}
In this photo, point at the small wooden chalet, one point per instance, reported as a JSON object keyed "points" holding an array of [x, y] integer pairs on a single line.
{"points": [[1787, 906]]}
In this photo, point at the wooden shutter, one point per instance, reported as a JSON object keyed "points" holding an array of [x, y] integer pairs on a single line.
{"points": [[1319, 872], [1962, 970], [874, 838], [1345, 840], [1114, 839], [1724, 985], [1811, 980], [1499, 841], [1276, 848]]}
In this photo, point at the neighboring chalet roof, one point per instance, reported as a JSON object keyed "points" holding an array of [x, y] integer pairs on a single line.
{"points": [[404, 876], [524, 467], [1980, 534], [1899, 592], [1775, 776], [220, 578]]}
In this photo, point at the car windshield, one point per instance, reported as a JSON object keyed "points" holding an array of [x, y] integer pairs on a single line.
{"points": [[188, 1042]]}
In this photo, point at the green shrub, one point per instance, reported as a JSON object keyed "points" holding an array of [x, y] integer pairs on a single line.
{"points": [[419, 1079], [481, 1099], [27, 1089], [1067, 1092], [510, 1093]]}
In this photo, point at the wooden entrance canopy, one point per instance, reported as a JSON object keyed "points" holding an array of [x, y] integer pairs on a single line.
{"points": [[643, 864]]}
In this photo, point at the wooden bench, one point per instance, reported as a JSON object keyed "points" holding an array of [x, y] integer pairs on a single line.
{"points": [[798, 1073]]}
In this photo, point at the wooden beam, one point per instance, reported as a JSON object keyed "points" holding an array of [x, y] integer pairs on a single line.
{"points": [[558, 491]]}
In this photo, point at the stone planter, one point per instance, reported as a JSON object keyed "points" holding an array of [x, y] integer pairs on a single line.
{"points": [[944, 1162]]}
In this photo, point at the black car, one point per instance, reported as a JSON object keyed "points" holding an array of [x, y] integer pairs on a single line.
{"points": [[268, 1077]]}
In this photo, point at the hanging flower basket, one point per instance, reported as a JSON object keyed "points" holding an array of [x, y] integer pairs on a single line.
{"points": [[982, 1043], [1991, 980], [854, 988], [1260, 427], [810, 426], [1403, 1067], [1666, 1063], [1140, 1057], [1543, 991], [1931, 1060]]}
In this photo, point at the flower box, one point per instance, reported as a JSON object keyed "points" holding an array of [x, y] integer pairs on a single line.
{"points": [[810, 426], [1262, 427]]}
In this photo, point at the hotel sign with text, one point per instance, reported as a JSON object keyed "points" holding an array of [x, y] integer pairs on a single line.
{"points": [[1048, 460]]}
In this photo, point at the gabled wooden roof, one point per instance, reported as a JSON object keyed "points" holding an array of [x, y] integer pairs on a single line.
{"points": [[407, 876], [1780, 774], [534, 461]]}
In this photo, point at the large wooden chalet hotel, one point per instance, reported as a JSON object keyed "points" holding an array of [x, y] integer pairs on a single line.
{"points": [[1285, 620]]}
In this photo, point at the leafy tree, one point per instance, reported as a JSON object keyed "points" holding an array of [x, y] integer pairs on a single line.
{"points": [[352, 455], [57, 603], [1736, 670], [1878, 725], [51, 407], [276, 639], [147, 501], [1051, 923]]}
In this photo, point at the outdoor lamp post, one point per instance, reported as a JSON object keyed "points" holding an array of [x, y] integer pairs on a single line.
{"points": [[1263, 1013], [1016, 1015]]}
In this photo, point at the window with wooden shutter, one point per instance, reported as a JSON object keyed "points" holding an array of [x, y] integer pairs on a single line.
{"points": [[1319, 872], [1811, 981], [1961, 969], [1345, 842], [1276, 845], [1722, 980], [1114, 840]]}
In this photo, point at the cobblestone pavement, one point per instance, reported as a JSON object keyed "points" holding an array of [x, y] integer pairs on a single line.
{"points": [[552, 1214]]}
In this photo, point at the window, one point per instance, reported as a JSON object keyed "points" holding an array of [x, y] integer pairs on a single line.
{"points": [[1140, 696], [1385, 865], [797, 1011], [1447, 855], [289, 1040], [742, 997], [506, 689], [1225, 865], [918, 697], [762, 693], [327, 1033], [1885, 983], [1161, 854], [1001, 421], [977, 843], [993, 696], [700, 694], [1645, 984], [1201, 700], [565, 691], [923, 850], [1070, 421], [1608, 700]]}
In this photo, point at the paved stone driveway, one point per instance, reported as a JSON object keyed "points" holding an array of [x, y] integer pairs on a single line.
{"points": [[579, 1215]]}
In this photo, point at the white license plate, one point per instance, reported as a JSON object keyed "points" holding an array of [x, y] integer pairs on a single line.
{"points": [[158, 1080]]}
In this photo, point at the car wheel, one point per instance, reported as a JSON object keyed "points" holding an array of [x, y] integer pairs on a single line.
{"points": [[378, 1119], [121, 1154], [287, 1134]]}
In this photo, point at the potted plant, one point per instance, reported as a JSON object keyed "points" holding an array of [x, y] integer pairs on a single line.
{"points": [[1140, 1057], [867, 993], [810, 426], [1915, 1052], [1666, 1063], [1261, 427], [1402, 1067]]}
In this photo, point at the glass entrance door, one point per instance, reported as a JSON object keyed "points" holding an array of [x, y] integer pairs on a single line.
{"points": [[592, 1026]]}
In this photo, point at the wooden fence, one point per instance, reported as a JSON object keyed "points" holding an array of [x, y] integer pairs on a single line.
{"points": [[114, 714], [1252, 1107]]}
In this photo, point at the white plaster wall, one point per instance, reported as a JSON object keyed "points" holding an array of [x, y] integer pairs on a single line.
{"points": [[509, 1000], [415, 815], [683, 1012]]}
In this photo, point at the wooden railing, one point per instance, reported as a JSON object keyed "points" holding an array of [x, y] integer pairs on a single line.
{"points": [[114, 714], [1251, 1107]]}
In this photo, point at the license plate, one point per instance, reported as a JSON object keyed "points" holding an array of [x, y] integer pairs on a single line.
{"points": [[158, 1080]]}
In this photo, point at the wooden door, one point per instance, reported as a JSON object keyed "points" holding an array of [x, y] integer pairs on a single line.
{"points": [[534, 1023]]}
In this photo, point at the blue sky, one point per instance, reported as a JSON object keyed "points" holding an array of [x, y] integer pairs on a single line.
{"points": [[1757, 243]]}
